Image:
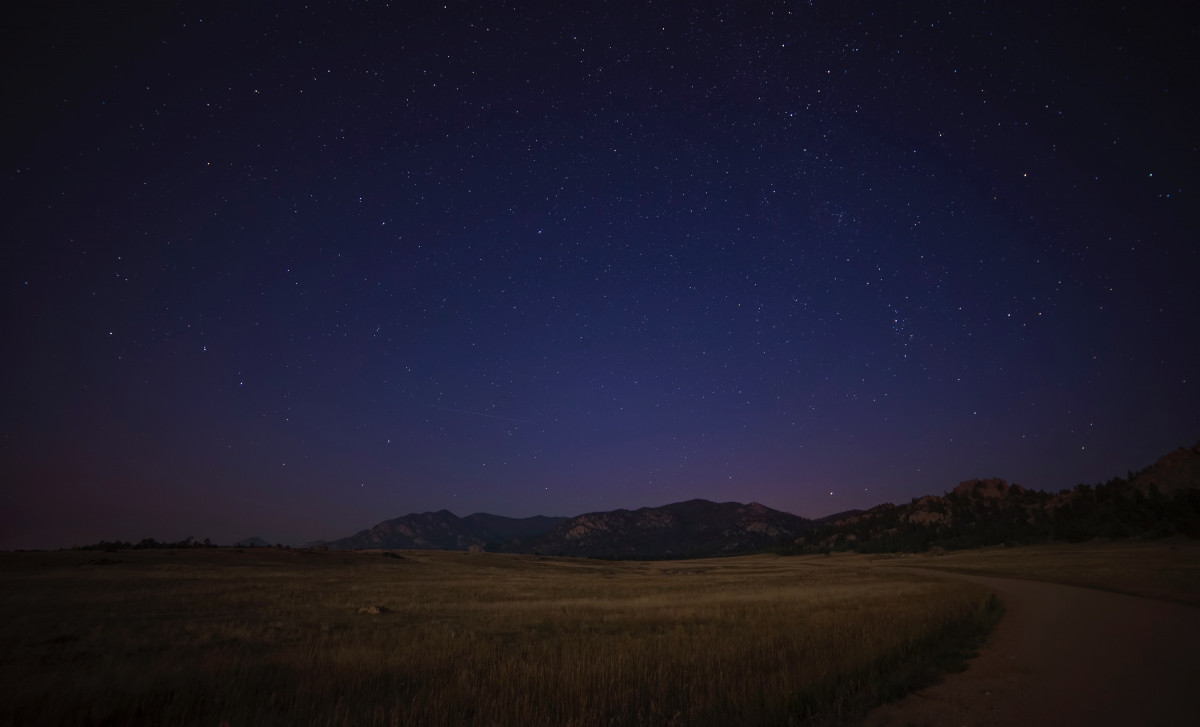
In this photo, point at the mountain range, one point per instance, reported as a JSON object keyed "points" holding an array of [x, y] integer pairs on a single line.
{"points": [[1160, 500], [695, 527]]}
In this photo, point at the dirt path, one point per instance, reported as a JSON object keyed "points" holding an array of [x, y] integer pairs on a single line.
{"points": [[1065, 655]]}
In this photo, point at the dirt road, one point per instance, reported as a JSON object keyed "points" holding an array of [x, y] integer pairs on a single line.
{"points": [[1065, 655]]}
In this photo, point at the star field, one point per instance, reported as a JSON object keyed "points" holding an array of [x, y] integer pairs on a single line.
{"points": [[292, 271]]}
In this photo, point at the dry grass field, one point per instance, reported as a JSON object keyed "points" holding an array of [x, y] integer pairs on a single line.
{"points": [[264, 636], [1163, 569]]}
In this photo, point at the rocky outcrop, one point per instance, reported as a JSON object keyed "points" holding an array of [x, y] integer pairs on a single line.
{"points": [[1160, 500], [972, 505], [1178, 470], [991, 488]]}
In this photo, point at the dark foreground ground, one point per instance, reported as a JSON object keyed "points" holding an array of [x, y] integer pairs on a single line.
{"points": [[1065, 655]]}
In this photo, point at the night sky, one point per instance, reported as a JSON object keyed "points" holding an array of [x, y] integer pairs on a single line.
{"points": [[289, 272]]}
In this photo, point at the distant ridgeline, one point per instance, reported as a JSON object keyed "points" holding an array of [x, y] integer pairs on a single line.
{"points": [[680, 530], [186, 543], [1159, 501]]}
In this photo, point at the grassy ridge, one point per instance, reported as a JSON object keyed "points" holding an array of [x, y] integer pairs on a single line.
{"points": [[275, 637]]}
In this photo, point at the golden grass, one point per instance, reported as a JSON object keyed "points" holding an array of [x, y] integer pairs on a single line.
{"points": [[1164, 569], [274, 637]]}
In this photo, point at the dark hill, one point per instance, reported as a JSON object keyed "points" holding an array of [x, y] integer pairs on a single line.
{"points": [[682, 529], [1161, 500], [251, 542], [1178, 470], [443, 530], [499, 529]]}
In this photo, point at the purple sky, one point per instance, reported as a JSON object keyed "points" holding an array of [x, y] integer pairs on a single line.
{"points": [[291, 272]]}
